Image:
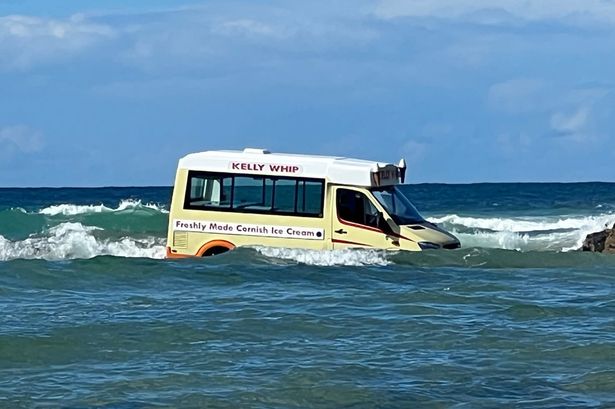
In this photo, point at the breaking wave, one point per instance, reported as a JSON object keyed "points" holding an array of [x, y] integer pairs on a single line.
{"points": [[74, 241], [130, 217], [71, 209], [548, 233]]}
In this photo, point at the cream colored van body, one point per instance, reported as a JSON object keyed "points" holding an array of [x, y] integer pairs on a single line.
{"points": [[226, 199]]}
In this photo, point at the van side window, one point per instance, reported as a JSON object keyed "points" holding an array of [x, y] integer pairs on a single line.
{"points": [[355, 207], [285, 194], [252, 193], [309, 197], [255, 194], [210, 191]]}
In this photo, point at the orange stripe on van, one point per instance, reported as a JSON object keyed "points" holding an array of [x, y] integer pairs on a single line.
{"points": [[375, 229], [350, 242], [174, 255]]}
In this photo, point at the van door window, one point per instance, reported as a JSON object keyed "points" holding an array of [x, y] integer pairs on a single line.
{"points": [[355, 207]]}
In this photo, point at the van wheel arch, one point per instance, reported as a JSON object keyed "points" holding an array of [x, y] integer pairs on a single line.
{"points": [[215, 247]]}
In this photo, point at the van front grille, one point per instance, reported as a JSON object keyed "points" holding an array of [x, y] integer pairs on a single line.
{"points": [[180, 239]]}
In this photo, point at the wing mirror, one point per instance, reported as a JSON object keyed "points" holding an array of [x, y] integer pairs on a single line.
{"points": [[383, 225]]}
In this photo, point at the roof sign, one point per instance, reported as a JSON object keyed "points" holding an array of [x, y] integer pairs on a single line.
{"points": [[267, 168], [388, 175]]}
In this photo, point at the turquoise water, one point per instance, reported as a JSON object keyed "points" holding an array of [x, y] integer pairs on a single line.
{"points": [[92, 318]]}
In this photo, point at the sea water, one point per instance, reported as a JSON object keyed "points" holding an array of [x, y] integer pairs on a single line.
{"points": [[92, 316]]}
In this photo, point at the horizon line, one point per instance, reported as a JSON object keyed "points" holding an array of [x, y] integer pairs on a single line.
{"points": [[417, 183]]}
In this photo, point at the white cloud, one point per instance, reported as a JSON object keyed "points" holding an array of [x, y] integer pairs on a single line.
{"points": [[21, 138], [518, 95], [600, 10], [26, 40], [255, 35], [537, 96], [571, 114], [571, 124], [248, 28]]}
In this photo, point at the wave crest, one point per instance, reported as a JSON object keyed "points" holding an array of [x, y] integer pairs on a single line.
{"points": [[72, 209], [528, 224], [75, 241], [524, 233]]}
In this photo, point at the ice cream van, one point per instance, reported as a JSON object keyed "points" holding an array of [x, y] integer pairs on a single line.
{"points": [[227, 199]]}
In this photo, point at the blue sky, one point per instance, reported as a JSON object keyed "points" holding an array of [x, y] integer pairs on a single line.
{"points": [[466, 91]]}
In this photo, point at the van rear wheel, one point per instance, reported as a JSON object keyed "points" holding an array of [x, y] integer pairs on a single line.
{"points": [[214, 251], [215, 247]]}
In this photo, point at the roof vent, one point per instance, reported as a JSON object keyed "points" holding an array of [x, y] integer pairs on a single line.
{"points": [[256, 150]]}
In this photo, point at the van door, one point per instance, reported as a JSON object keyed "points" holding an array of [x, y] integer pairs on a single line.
{"points": [[355, 221]]}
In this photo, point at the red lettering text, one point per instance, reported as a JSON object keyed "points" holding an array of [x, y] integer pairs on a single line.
{"points": [[284, 168], [254, 167]]}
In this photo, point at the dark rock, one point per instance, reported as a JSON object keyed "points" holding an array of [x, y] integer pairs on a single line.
{"points": [[609, 243], [601, 242]]}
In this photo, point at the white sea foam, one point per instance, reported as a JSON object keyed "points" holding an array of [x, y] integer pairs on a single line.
{"points": [[518, 241], [346, 257], [72, 209], [528, 224], [73, 241], [524, 233]]}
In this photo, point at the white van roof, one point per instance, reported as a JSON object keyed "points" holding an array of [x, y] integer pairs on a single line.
{"points": [[335, 169]]}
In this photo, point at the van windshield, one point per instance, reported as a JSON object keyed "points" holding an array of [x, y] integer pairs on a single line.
{"points": [[397, 204]]}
